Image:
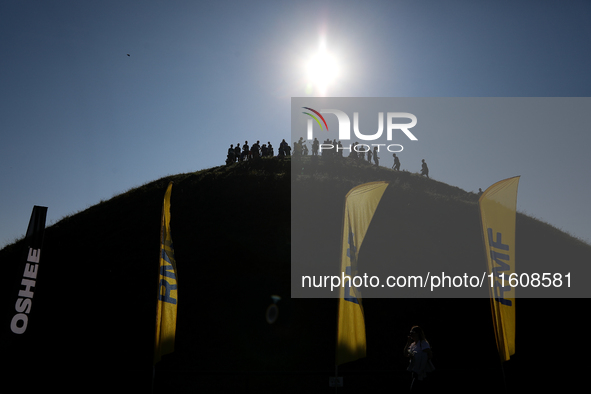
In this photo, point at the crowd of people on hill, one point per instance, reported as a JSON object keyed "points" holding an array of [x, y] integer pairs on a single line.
{"points": [[246, 152]]}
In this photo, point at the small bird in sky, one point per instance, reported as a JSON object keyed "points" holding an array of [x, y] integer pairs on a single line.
{"points": [[128, 54]]}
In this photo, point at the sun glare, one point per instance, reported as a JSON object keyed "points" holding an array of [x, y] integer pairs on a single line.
{"points": [[322, 71]]}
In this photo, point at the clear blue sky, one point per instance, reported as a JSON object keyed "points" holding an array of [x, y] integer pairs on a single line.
{"points": [[81, 121]]}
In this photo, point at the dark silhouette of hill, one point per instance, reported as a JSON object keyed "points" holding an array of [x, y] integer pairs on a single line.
{"points": [[92, 319]]}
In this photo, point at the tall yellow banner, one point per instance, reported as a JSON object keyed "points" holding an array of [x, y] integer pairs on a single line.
{"points": [[497, 211], [360, 205], [167, 287]]}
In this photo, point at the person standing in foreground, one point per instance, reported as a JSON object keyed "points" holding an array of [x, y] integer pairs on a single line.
{"points": [[417, 348]]}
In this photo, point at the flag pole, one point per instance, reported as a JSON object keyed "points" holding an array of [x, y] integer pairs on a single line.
{"points": [[156, 309], [504, 380], [491, 294], [158, 288], [153, 376], [336, 365]]}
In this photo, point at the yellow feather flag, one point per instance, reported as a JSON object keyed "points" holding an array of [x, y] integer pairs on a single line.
{"points": [[497, 211], [360, 205], [167, 287]]}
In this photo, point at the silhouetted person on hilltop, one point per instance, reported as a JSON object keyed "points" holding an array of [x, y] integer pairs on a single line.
{"points": [[245, 150], [424, 169], [230, 158], [315, 146], [283, 148], [237, 152], [299, 147], [353, 152], [255, 151], [396, 165], [270, 149], [376, 159]]}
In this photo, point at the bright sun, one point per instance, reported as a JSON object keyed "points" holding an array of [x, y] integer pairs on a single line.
{"points": [[322, 70]]}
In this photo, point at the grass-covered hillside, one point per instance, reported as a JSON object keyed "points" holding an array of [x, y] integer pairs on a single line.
{"points": [[92, 317]]}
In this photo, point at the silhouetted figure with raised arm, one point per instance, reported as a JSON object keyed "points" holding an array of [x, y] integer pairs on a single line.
{"points": [[299, 147]]}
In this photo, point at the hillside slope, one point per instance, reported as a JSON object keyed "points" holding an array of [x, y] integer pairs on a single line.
{"points": [[94, 305]]}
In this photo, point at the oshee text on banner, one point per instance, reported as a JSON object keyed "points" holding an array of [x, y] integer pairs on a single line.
{"points": [[30, 269]]}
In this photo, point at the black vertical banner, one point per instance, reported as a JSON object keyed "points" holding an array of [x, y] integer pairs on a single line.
{"points": [[28, 271]]}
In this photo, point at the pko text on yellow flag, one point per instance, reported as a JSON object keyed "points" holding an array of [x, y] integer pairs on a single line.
{"points": [[497, 212], [360, 205], [167, 287]]}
